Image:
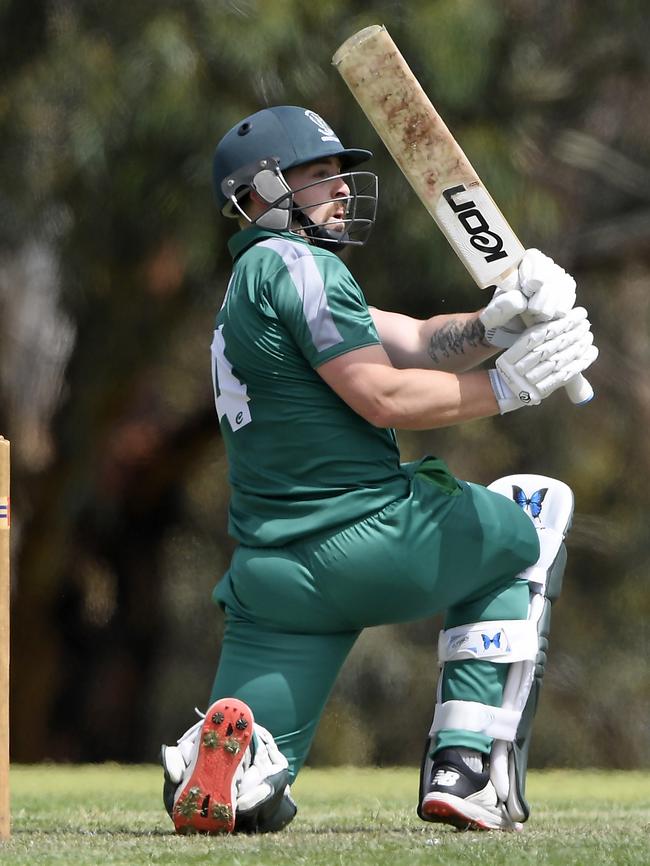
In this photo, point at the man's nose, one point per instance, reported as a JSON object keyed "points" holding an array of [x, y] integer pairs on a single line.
{"points": [[341, 189]]}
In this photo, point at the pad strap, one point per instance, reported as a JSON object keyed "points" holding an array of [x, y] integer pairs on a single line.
{"points": [[501, 641], [495, 722]]}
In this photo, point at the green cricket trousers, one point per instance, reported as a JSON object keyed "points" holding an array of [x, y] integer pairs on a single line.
{"points": [[293, 613]]}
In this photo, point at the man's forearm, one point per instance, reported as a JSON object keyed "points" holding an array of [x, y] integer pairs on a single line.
{"points": [[456, 342], [425, 400], [453, 343]]}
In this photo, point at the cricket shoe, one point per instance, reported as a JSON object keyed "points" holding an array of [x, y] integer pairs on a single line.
{"points": [[206, 786], [226, 774], [465, 798]]}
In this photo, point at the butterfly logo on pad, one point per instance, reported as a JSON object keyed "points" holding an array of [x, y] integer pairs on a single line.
{"points": [[534, 504], [487, 640]]}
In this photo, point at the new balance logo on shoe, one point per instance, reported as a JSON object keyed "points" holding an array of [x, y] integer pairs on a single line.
{"points": [[445, 778]]}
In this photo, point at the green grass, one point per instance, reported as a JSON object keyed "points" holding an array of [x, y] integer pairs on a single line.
{"points": [[73, 816]]}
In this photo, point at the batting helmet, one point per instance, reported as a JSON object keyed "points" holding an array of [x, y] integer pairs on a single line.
{"points": [[285, 134]]}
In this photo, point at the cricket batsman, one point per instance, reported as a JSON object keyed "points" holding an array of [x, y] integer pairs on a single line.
{"points": [[334, 533]]}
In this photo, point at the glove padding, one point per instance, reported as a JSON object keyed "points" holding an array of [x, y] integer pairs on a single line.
{"points": [[264, 802], [539, 288], [543, 359]]}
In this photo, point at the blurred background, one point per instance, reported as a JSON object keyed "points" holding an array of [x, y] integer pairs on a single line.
{"points": [[112, 267]]}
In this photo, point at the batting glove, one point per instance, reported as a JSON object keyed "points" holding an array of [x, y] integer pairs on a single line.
{"points": [[543, 359], [539, 288], [264, 802]]}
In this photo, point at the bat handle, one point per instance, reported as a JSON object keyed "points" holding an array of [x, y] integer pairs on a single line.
{"points": [[579, 390]]}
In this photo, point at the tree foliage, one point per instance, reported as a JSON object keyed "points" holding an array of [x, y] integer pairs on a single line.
{"points": [[112, 265]]}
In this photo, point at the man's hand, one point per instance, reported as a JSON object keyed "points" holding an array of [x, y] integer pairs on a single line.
{"points": [[543, 359], [539, 288]]}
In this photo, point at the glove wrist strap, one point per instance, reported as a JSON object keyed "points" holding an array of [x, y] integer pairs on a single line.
{"points": [[507, 401]]}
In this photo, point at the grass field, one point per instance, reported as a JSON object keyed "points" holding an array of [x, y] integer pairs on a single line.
{"points": [[78, 816]]}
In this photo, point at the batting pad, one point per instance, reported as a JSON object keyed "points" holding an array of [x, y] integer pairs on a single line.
{"points": [[549, 503], [522, 644]]}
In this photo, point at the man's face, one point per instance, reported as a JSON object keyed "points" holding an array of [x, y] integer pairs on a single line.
{"points": [[326, 201]]}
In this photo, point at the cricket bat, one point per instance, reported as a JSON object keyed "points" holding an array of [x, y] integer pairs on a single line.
{"points": [[433, 162]]}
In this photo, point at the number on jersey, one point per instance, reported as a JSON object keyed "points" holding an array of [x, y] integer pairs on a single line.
{"points": [[230, 395]]}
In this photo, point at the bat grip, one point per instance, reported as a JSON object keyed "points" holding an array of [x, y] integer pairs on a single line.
{"points": [[578, 390]]}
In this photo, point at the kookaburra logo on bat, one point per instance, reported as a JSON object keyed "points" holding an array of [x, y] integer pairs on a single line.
{"points": [[482, 237]]}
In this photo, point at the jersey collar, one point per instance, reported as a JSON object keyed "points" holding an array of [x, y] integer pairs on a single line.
{"points": [[244, 239]]}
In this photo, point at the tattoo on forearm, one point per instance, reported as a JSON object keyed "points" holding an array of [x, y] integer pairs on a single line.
{"points": [[453, 338]]}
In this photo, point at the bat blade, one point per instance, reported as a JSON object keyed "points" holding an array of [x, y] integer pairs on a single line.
{"points": [[429, 156], [432, 161]]}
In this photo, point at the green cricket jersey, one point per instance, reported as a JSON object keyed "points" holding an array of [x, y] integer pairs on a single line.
{"points": [[301, 461]]}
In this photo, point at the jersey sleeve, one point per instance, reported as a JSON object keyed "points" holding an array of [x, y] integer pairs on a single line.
{"points": [[320, 303]]}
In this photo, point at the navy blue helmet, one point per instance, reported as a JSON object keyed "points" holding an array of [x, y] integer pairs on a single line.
{"points": [[254, 154]]}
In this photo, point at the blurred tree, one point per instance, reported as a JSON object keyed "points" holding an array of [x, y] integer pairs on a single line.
{"points": [[112, 264]]}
